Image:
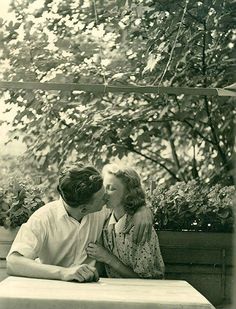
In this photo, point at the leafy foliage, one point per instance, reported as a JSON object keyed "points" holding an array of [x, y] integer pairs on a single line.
{"points": [[18, 201], [180, 43], [23, 189], [194, 207]]}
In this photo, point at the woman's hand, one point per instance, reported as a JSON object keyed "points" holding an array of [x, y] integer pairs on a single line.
{"points": [[98, 252]]}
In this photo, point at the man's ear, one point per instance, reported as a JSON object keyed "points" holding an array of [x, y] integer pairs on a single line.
{"points": [[83, 209]]}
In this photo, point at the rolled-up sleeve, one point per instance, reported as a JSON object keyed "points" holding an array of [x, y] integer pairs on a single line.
{"points": [[30, 238]]}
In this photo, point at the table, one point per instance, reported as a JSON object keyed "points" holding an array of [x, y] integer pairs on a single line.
{"points": [[17, 292]]}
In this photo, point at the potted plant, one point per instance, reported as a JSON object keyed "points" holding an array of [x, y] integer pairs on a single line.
{"points": [[194, 222], [19, 198]]}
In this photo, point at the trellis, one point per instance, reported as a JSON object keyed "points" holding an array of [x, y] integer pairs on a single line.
{"points": [[104, 88]]}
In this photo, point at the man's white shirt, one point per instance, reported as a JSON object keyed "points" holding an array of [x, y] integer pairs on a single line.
{"points": [[55, 238]]}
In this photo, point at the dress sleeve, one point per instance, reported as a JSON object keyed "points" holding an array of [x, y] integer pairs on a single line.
{"points": [[30, 238], [146, 260]]}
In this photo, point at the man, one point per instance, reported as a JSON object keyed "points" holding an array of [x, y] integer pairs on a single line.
{"points": [[58, 233]]}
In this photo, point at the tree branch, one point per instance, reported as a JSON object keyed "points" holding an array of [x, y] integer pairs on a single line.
{"points": [[157, 162], [195, 130], [199, 133], [216, 143], [173, 149], [194, 163], [173, 47], [190, 14], [204, 69]]}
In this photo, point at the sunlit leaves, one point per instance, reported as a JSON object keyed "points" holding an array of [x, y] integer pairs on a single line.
{"points": [[124, 42]]}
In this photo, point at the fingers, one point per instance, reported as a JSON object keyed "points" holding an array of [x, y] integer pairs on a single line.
{"points": [[93, 270], [96, 275], [92, 255], [146, 234], [91, 250], [79, 278], [87, 273], [91, 245], [138, 234], [128, 227]]}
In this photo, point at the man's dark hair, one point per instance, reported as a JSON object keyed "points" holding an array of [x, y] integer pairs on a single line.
{"points": [[77, 184]]}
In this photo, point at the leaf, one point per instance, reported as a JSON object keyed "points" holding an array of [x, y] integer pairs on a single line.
{"points": [[223, 213], [120, 3], [63, 44], [163, 112], [151, 63]]}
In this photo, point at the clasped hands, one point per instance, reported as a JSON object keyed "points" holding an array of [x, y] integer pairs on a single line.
{"points": [[81, 273], [85, 272]]}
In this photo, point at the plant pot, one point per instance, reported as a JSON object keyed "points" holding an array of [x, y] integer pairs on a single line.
{"points": [[202, 259], [6, 238]]}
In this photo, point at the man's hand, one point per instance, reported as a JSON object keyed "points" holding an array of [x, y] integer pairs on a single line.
{"points": [[82, 273], [142, 221], [98, 252]]}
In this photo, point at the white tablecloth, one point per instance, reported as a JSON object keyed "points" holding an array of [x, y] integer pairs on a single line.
{"points": [[17, 292]]}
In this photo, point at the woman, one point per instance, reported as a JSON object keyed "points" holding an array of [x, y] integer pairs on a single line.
{"points": [[121, 256]]}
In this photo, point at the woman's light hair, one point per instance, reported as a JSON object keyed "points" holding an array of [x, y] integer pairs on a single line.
{"points": [[134, 196]]}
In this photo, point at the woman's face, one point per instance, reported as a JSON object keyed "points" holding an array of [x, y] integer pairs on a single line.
{"points": [[115, 190]]}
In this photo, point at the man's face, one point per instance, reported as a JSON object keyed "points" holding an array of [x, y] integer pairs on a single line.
{"points": [[98, 200]]}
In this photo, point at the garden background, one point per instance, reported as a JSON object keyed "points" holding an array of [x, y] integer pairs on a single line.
{"points": [[182, 145]]}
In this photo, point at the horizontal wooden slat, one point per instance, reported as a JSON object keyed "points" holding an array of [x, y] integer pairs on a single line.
{"points": [[195, 256], [196, 248], [226, 93], [4, 249], [196, 269], [196, 240], [6, 238], [101, 88]]}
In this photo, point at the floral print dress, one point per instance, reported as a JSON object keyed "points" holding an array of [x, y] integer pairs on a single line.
{"points": [[145, 260]]}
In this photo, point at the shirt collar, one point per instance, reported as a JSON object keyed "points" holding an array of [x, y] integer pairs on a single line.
{"points": [[61, 209], [118, 225]]}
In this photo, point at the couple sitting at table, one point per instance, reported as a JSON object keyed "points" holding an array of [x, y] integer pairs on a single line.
{"points": [[64, 235]]}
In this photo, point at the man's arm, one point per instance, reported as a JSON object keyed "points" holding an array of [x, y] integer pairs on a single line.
{"points": [[18, 265], [142, 221]]}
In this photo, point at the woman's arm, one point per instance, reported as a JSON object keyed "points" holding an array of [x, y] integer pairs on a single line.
{"points": [[103, 255], [18, 265]]}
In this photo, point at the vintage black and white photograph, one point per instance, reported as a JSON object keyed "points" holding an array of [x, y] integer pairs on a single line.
{"points": [[117, 154]]}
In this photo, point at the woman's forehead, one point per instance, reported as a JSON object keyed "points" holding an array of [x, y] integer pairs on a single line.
{"points": [[112, 179]]}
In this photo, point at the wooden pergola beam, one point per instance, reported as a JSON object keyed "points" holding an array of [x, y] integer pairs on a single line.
{"points": [[101, 88]]}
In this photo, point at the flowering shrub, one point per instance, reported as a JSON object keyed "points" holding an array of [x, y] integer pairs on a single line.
{"points": [[193, 206], [18, 200]]}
